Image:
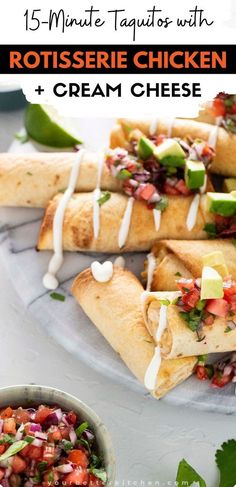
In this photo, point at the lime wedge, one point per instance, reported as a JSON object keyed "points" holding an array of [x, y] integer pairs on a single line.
{"points": [[44, 125]]}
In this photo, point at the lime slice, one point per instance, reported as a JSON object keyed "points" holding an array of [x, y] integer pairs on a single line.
{"points": [[44, 125]]}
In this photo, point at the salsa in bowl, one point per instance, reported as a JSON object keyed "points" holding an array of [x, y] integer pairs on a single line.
{"points": [[50, 438]]}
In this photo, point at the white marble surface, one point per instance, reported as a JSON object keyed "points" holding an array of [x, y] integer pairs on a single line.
{"points": [[149, 437]]}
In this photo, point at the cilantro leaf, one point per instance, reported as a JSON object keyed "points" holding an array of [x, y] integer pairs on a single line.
{"points": [[186, 476], [124, 174], [105, 196], [80, 430], [162, 204], [22, 137], [210, 229], [225, 460], [99, 473], [58, 296]]}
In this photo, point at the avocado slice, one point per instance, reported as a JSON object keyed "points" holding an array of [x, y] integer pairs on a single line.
{"points": [[170, 153], [217, 261], [229, 185], [212, 284], [145, 148], [194, 174], [223, 204]]}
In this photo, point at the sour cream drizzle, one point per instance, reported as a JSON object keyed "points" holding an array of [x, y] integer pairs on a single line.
{"points": [[153, 126], [96, 196], [152, 371], [150, 270], [125, 224], [193, 211], [50, 281], [157, 219], [102, 272], [212, 140], [203, 187]]}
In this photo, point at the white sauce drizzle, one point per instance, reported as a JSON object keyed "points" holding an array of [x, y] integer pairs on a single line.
{"points": [[152, 371], [212, 140], [153, 126], [125, 224], [150, 270], [203, 187], [193, 211], [162, 322], [102, 272], [157, 219], [50, 281], [119, 262], [96, 196]]}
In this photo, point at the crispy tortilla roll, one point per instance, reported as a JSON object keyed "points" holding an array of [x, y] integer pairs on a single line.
{"points": [[115, 309], [78, 223], [174, 258], [177, 339], [33, 179], [224, 162]]}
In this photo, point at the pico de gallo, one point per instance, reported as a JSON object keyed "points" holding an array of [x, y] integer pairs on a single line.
{"points": [[220, 373], [224, 107], [46, 446], [198, 312], [150, 180], [222, 227]]}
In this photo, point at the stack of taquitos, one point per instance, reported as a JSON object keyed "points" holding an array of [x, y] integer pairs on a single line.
{"points": [[224, 161], [125, 330]]}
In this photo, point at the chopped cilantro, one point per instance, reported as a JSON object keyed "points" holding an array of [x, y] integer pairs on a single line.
{"points": [[99, 473], [193, 318], [67, 445], [58, 296], [95, 461], [178, 274], [29, 173], [79, 431], [210, 229], [105, 196], [162, 204], [186, 476], [42, 466], [201, 304], [29, 439], [202, 359], [228, 329], [225, 460], [7, 439], [124, 174], [51, 477]]}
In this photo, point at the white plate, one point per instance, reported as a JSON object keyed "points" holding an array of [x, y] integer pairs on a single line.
{"points": [[65, 321]]}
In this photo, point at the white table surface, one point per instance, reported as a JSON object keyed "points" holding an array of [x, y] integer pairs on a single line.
{"points": [[149, 437]]}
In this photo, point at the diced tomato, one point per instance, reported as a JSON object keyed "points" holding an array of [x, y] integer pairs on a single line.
{"points": [[207, 150], [9, 426], [21, 415], [160, 139], [65, 432], [2, 449], [218, 307], [201, 372], [42, 413], [209, 320], [71, 417], [47, 478], [49, 453], [131, 166], [35, 452], [191, 298], [182, 188], [230, 291], [168, 189], [95, 481], [77, 477], [147, 191], [220, 380], [6, 413], [18, 464], [2, 473], [25, 451], [78, 457], [54, 434], [219, 108], [185, 285]]}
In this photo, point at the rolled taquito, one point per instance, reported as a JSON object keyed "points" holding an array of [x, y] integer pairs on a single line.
{"points": [[78, 223], [224, 162], [115, 309], [177, 339], [33, 179], [175, 259]]}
